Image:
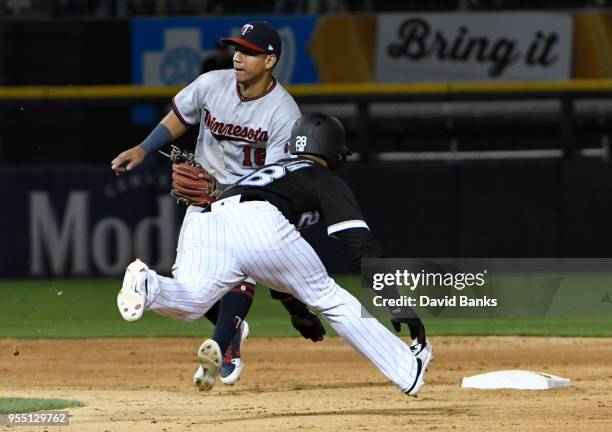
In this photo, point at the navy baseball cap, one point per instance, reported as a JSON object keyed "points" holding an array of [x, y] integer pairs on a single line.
{"points": [[258, 36]]}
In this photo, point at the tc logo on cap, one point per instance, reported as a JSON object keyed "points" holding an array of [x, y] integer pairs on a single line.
{"points": [[246, 28], [257, 36]]}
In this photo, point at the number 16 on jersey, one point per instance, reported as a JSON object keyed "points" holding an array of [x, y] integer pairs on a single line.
{"points": [[258, 156]]}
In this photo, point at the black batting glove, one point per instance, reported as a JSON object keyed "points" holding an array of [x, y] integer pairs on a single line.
{"points": [[415, 325], [309, 326], [412, 320]]}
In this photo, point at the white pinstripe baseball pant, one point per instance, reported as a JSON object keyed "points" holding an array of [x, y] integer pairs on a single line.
{"points": [[194, 209], [235, 239]]}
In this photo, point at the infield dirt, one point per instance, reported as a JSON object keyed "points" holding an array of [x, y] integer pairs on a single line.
{"points": [[288, 384]]}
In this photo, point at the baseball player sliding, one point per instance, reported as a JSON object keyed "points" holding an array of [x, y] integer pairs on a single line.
{"points": [[253, 230], [245, 118]]}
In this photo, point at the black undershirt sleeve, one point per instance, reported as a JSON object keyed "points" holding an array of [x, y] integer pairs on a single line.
{"points": [[362, 244], [341, 205]]}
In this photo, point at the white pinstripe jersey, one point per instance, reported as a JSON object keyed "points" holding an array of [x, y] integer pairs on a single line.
{"points": [[237, 134]]}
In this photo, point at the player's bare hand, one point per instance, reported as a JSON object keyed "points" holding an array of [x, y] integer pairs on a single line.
{"points": [[128, 160]]}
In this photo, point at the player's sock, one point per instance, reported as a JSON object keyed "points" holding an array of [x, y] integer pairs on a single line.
{"points": [[213, 313], [233, 308], [293, 305]]}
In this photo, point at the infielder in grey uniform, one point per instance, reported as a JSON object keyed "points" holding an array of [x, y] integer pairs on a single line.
{"points": [[245, 118], [253, 229]]}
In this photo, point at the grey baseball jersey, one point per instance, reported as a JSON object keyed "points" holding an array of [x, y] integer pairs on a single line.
{"points": [[237, 134]]}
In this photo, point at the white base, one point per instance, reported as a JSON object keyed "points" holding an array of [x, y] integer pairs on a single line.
{"points": [[515, 379]]}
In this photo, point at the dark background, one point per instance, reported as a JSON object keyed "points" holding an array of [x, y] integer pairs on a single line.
{"points": [[504, 208]]}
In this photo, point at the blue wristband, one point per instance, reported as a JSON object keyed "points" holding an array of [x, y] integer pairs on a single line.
{"points": [[159, 137]]}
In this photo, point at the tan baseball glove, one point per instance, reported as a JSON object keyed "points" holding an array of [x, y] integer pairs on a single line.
{"points": [[192, 184]]}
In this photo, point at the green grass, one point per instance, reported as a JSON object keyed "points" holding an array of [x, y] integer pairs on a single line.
{"points": [[580, 327], [22, 405], [86, 308]]}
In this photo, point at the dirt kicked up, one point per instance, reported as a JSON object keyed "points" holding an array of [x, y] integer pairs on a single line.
{"points": [[288, 384]]}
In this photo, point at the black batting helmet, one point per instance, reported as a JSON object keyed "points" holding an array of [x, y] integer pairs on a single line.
{"points": [[320, 135]]}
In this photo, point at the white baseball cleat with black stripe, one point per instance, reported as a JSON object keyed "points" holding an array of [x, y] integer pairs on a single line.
{"points": [[423, 351], [423, 354], [131, 300]]}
